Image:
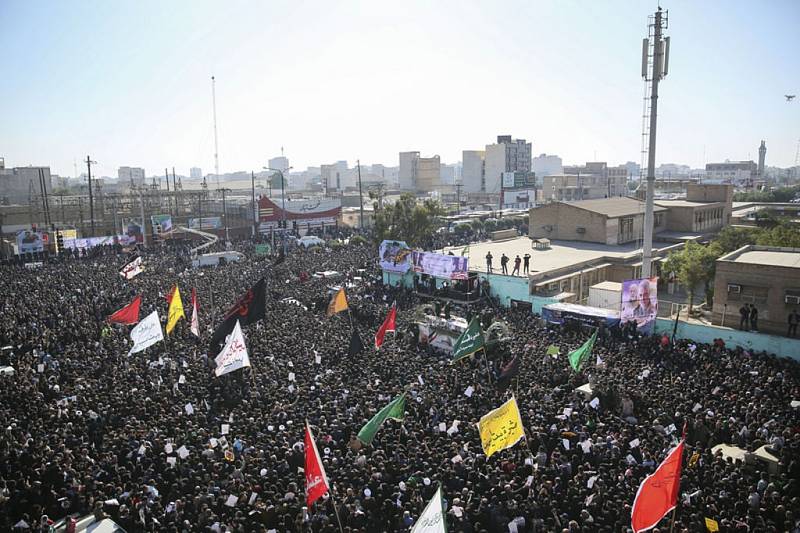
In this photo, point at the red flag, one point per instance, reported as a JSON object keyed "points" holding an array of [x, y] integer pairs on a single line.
{"points": [[388, 325], [170, 294], [316, 480], [658, 493], [128, 314]]}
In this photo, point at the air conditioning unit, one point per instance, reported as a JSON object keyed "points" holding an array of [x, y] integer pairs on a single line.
{"points": [[735, 289], [580, 230], [792, 299]]}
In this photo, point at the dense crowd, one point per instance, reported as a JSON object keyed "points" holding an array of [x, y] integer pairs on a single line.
{"points": [[88, 429]]}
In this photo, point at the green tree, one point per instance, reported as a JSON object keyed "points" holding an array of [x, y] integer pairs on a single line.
{"points": [[784, 235], [408, 220], [693, 265], [730, 238]]}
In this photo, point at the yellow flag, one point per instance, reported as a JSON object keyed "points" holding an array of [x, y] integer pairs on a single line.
{"points": [[501, 428], [175, 310], [712, 525], [338, 303]]}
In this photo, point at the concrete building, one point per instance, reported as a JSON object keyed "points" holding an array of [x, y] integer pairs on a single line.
{"points": [[419, 174], [279, 163], [334, 177], [547, 165], [128, 176], [507, 155], [606, 221], [196, 173], [598, 174], [472, 171], [738, 173], [19, 183], [566, 188], [708, 207], [767, 277], [448, 174]]}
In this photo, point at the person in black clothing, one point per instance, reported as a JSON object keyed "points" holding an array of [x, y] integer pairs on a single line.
{"points": [[526, 260], [504, 264], [794, 319], [489, 263], [517, 262], [753, 317], [744, 312]]}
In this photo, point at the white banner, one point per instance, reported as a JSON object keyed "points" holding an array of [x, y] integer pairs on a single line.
{"points": [[440, 265], [132, 269], [234, 355], [432, 518], [146, 333]]}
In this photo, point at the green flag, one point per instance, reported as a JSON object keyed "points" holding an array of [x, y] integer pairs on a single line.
{"points": [[469, 342], [553, 350], [577, 357], [395, 410]]}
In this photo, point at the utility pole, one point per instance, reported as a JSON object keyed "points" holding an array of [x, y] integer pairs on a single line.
{"points": [[360, 198], [175, 192], [144, 223], [169, 200], [225, 212], [255, 207], [658, 69], [216, 145], [458, 197], [89, 164]]}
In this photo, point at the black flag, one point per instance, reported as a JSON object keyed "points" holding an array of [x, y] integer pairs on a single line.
{"points": [[249, 308], [356, 346], [509, 372]]}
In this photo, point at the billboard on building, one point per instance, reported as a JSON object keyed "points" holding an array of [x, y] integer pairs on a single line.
{"points": [[439, 265], [164, 222], [395, 256], [508, 180], [306, 212], [30, 241], [133, 229], [639, 301], [205, 223]]}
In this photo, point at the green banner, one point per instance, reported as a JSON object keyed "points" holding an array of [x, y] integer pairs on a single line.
{"points": [[469, 342], [577, 357], [262, 249], [394, 409]]}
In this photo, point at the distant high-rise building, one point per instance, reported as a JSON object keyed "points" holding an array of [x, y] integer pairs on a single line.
{"points": [[472, 162], [131, 176], [448, 174], [508, 155], [423, 174], [547, 165], [739, 173], [196, 173], [279, 163], [16, 184]]}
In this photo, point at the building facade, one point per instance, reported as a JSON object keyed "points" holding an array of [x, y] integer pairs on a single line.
{"points": [[547, 165], [766, 277], [507, 155], [131, 176], [18, 185], [196, 173], [472, 171], [419, 174], [738, 173]]}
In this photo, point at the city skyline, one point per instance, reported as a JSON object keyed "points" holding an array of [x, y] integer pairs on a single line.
{"points": [[364, 82]]}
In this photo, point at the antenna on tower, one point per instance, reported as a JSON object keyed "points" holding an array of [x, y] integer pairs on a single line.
{"points": [[655, 65], [216, 143]]}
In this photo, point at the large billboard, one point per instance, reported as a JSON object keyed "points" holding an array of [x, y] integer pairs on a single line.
{"points": [[439, 265], [395, 256], [164, 222], [205, 223], [304, 212], [29, 241], [639, 301]]}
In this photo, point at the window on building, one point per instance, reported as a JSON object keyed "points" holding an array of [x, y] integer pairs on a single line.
{"points": [[659, 218]]}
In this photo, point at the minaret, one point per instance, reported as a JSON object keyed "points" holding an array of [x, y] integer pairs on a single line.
{"points": [[762, 155]]}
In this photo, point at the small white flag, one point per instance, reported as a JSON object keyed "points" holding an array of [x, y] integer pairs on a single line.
{"points": [[189, 409], [634, 443], [469, 391], [595, 403], [234, 355], [182, 379], [146, 333], [291, 376], [225, 429], [132, 269], [183, 452], [231, 501], [419, 378]]}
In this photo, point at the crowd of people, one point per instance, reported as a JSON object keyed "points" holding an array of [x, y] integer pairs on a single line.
{"points": [[158, 443]]}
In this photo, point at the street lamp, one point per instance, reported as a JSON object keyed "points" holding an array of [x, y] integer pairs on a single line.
{"points": [[283, 200]]}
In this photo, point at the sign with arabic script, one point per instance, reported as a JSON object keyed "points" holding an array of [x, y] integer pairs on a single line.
{"points": [[234, 355], [501, 428], [469, 342]]}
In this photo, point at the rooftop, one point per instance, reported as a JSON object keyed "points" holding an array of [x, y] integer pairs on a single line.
{"points": [[765, 256], [613, 207], [561, 254], [683, 203]]}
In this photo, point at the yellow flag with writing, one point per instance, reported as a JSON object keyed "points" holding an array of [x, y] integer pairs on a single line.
{"points": [[712, 525], [338, 303], [501, 428], [175, 309]]}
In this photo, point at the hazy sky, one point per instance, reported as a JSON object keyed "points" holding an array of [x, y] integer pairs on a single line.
{"points": [[129, 82]]}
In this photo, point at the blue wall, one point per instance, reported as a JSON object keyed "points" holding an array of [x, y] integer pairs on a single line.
{"points": [[507, 288], [782, 346]]}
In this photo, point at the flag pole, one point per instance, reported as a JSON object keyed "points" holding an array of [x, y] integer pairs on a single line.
{"points": [[672, 522], [336, 510], [486, 360]]}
